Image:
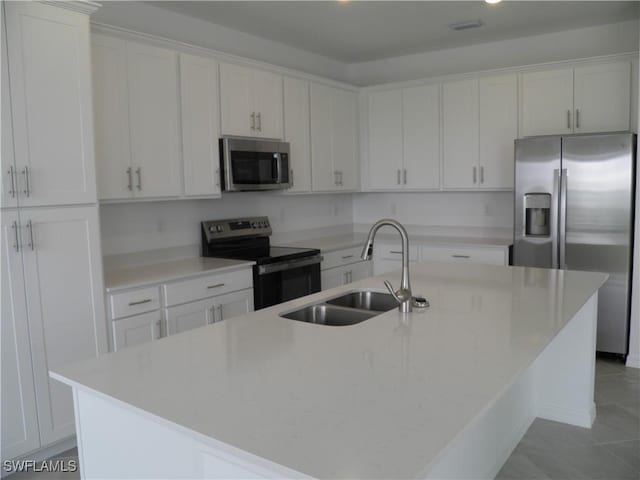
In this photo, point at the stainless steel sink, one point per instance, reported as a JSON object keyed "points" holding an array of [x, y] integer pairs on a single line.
{"points": [[366, 300], [330, 315], [347, 309]]}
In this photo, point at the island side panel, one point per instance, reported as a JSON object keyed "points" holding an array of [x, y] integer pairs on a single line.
{"points": [[118, 442], [565, 371]]}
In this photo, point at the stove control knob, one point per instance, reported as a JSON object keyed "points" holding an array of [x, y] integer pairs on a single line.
{"points": [[219, 228], [254, 224]]}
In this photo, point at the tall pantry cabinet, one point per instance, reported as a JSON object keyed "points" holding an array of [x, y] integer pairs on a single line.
{"points": [[52, 287]]}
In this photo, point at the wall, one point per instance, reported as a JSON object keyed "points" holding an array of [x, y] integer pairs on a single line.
{"points": [[134, 227], [567, 45], [154, 20], [469, 209]]}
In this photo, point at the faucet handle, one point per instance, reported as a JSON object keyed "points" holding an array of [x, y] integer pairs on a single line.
{"points": [[392, 291]]}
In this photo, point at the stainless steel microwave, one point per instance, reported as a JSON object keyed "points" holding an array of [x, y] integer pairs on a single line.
{"points": [[254, 164]]}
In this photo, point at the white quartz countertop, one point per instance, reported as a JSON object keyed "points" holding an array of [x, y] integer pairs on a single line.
{"points": [[339, 242], [379, 399], [167, 271]]}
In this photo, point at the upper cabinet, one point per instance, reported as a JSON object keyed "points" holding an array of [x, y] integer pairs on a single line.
{"points": [[334, 161], [200, 126], [297, 133], [587, 99], [251, 102], [404, 138], [51, 106], [480, 122]]}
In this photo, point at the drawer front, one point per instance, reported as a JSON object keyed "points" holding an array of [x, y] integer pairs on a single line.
{"points": [[134, 302], [203, 287], [486, 256], [341, 257], [393, 251]]}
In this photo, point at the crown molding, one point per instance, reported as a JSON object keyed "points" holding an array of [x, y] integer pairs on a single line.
{"points": [[86, 7]]}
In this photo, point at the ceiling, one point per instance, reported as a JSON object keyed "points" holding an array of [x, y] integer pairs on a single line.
{"points": [[359, 31]]}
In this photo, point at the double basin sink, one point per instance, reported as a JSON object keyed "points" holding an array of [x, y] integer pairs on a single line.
{"points": [[346, 309]]}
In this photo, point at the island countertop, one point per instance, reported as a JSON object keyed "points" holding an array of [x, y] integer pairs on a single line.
{"points": [[382, 398]]}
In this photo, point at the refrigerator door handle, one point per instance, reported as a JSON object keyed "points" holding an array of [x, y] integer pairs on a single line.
{"points": [[555, 240], [562, 219]]}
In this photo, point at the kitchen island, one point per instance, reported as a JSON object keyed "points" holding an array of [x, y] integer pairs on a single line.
{"points": [[442, 393]]}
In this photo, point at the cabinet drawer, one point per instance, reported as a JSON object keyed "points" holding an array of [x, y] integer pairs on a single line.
{"points": [[393, 251], [341, 257], [134, 302], [209, 286], [487, 256]]}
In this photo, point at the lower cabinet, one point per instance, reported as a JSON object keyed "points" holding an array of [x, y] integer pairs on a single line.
{"points": [[234, 304], [135, 330], [337, 276]]}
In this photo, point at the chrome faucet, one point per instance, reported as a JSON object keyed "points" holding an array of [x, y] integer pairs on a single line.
{"points": [[403, 295]]}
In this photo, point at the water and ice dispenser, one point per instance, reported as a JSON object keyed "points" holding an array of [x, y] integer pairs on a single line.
{"points": [[537, 214]]}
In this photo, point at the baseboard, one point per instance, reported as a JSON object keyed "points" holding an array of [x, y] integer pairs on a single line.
{"points": [[580, 418], [633, 361]]}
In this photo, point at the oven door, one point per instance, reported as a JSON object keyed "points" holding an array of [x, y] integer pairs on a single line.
{"points": [[255, 164], [280, 282]]}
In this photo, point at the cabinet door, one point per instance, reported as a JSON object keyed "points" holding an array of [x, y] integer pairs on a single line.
{"points": [[296, 132], [344, 125], [460, 124], [153, 110], [65, 304], [111, 116], [236, 101], [333, 277], [385, 140], [323, 175], [360, 271], [19, 418], [189, 316], [268, 103], [136, 330], [602, 97], [51, 103], [498, 130], [547, 102], [199, 97], [8, 186], [421, 136], [233, 304]]}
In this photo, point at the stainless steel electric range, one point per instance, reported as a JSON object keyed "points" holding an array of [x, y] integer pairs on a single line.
{"points": [[280, 273]]}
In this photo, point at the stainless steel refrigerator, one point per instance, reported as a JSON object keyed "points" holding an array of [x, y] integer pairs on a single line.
{"points": [[574, 209]]}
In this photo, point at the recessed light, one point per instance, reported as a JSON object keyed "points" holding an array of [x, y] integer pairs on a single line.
{"points": [[492, 2]]}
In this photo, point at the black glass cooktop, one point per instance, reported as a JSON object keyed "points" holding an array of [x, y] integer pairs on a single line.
{"points": [[257, 249]]}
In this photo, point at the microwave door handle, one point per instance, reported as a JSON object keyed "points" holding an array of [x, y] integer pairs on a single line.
{"points": [[278, 159]]}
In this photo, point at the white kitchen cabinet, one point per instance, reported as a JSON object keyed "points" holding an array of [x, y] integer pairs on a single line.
{"points": [[297, 133], [65, 306], [547, 102], [251, 102], [51, 104], [189, 316], [18, 399], [601, 97], [460, 133], [153, 119], [200, 129], [233, 304], [136, 330], [8, 187], [385, 140], [334, 162], [346, 274], [498, 98], [465, 254]]}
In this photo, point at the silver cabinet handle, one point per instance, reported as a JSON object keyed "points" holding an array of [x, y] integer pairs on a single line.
{"points": [[139, 174], [405, 176], [475, 174], [159, 325], [27, 187], [335, 177], [577, 118], [460, 256], [253, 120], [130, 184], [350, 276], [16, 245], [291, 177], [259, 118], [340, 177], [569, 119], [219, 309], [31, 244], [217, 285], [395, 251], [12, 191], [217, 177], [398, 178], [347, 256], [481, 174], [140, 302]]}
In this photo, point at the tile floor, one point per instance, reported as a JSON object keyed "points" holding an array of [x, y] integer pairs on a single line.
{"points": [[549, 450]]}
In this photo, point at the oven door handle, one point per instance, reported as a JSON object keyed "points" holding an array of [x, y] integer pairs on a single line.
{"points": [[288, 265]]}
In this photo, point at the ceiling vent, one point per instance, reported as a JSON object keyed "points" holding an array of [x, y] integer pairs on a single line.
{"points": [[466, 25]]}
